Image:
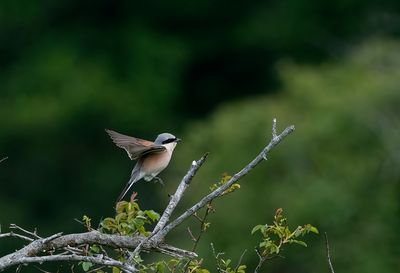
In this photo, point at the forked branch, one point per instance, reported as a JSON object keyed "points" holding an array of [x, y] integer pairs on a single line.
{"points": [[275, 140]]}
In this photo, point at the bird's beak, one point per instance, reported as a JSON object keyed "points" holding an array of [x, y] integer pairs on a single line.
{"points": [[177, 140]]}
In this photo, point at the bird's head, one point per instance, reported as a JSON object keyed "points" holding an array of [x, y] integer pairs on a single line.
{"points": [[166, 138]]}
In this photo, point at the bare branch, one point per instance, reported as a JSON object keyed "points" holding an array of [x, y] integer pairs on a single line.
{"points": [[13, 234], [33, 234], [100, 260], [174, 200], [328, 255], [216, 193], [4, 158], [57, 241]]}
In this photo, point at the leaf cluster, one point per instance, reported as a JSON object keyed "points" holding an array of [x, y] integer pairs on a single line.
{"points": [[275, 236], [129, 220], [225, 178]]}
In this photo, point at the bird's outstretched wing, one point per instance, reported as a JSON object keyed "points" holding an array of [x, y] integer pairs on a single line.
{"points": [[135, 147]]}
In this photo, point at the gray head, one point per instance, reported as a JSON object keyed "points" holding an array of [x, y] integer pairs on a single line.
{"points": [[165, 138]]}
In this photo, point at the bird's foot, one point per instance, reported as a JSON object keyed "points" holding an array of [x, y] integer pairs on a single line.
{"points": [[159, 180]]}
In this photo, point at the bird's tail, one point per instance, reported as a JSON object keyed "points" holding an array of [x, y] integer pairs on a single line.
{"points": [[135, 176]]}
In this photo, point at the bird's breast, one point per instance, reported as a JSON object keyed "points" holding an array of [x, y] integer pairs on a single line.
{"points": [[155, 163]]}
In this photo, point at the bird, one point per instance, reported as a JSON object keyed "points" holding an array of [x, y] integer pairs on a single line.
{"points": [[152, 157]]}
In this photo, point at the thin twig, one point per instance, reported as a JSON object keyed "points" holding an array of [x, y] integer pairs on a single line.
{"points": [[51, 238], [202, 226], [75, 250], [191, 234], [197, 217], [328, 255], [42, 270], [261, 261], [240, 260], [13, 234], [4, 158], [217, 192], [216, 256], [95, 269], [33, 234]]}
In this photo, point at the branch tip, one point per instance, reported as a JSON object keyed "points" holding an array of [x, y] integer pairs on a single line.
{"points": [[4, 158], [274, 134]]}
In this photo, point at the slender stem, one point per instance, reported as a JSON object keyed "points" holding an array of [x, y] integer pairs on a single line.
{"points": [[202, 226], [240, 260], [261, 261], [328, 255]]}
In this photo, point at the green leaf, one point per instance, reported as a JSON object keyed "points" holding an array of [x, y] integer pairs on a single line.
{"points": [[154, 216], [160, 267], [256, 228], [115, 270], [86, 265], [298, 242], [314, 230], [95, 249], [298, 231], [241, 269]]}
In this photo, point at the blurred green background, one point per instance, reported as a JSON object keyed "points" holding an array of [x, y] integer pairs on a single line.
{"points": [[214, 74]]}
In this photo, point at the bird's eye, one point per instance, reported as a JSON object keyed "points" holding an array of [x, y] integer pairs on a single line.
{"points": [[168, 140]]}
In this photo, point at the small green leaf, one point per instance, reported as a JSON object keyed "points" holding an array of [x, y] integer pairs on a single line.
{"points": [[314, 230], [298, 242], [160, 267], [115, 270], [298, 231], [95, 249], [241, 269], [154, 216], [86, 266], [256, 228]]}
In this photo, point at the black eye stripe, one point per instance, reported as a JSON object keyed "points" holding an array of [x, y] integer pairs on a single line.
{"points": [[168, 140]]}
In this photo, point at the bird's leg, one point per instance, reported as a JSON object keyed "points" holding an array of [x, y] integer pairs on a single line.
{"points": [[159, 180]]}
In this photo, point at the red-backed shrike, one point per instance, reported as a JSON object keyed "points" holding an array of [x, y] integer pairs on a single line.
{"points": [[152, 157]]}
